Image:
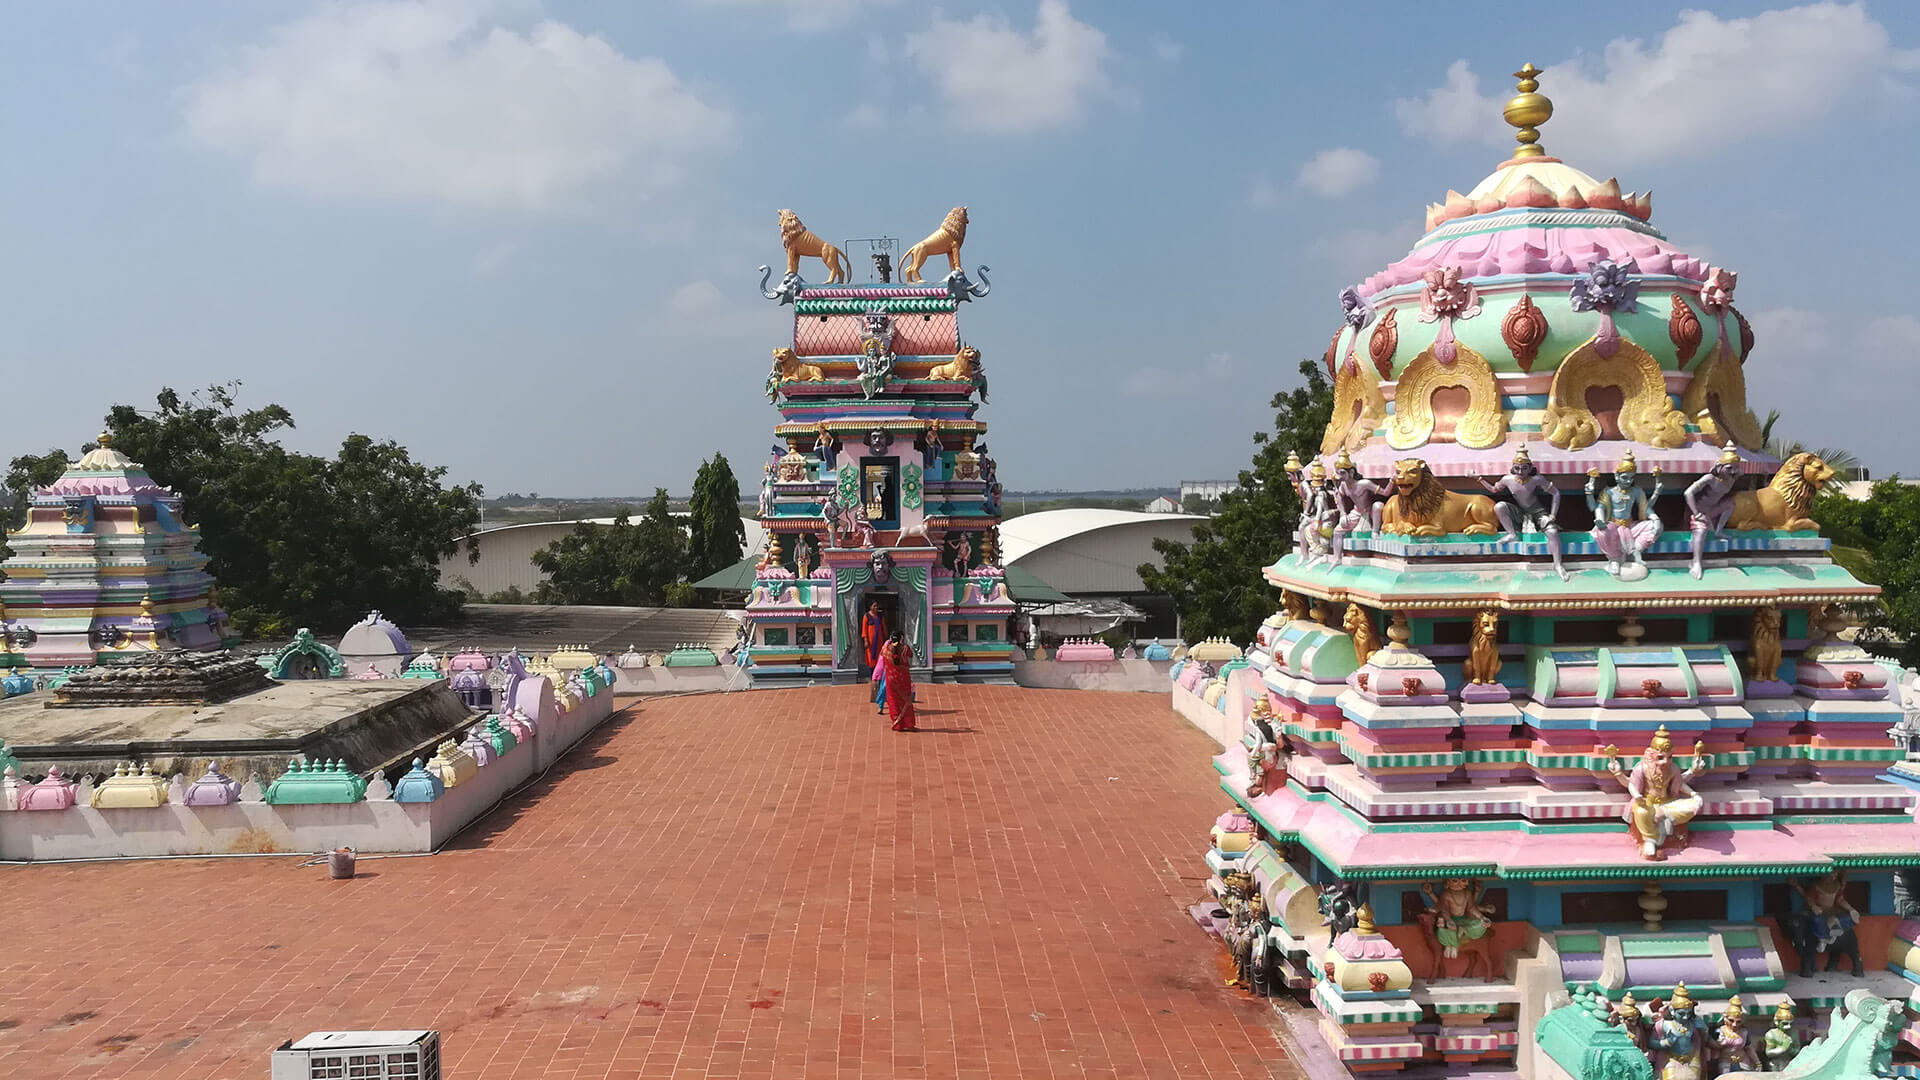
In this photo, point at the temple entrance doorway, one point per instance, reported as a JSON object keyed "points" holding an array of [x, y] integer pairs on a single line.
{"points": [[889, 602]]}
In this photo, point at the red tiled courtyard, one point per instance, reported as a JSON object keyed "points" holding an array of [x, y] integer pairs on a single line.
{"points": [[748, 885]]}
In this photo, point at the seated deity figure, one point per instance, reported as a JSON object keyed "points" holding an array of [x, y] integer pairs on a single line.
{"points": [[1624, 524], [1320, 528], [1458, 914], [1663, 800], [1361, 500], [1535, 503], [1710, 502]]}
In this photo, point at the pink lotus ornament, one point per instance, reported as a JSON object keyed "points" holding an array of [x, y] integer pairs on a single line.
{"points": [[1445, 298], [1609, 287]]}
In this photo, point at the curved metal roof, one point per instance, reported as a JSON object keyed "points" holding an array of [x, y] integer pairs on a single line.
{"points": [[1022, 536]]}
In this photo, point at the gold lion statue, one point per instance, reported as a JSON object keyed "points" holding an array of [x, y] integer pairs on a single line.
{"points": [[788, 368], [945, 240], [962, 368], [1483, 649], [1421, 506], [1783, 504], [799, 240]]}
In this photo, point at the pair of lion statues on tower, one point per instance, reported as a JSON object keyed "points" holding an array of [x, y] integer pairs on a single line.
{"points": [[800, 241]]}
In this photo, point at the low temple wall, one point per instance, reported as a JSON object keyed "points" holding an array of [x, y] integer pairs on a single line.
{"points": [[1142, 676], [680, 680], [372, 823], [1224, 726]]}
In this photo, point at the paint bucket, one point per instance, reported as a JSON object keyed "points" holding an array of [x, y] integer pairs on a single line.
{"points": [[340, 863]]}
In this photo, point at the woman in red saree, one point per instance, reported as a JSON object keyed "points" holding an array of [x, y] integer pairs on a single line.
{"points": [[897, 660]]}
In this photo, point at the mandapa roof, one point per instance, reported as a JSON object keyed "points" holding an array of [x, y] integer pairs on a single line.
{"points": [[1022, 536]]}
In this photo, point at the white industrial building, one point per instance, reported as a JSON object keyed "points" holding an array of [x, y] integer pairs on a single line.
{"points": [[1092, 554]]}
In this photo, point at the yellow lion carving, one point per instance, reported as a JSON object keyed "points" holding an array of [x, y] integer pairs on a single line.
{"points": [[945, 240], [962, 368], [1783, 504], [788, 367], [799, 240], [1421, 506]]}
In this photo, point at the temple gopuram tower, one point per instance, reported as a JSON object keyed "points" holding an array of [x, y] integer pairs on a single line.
{"points": [[105, 568], [1555, 738], [880, 502]]}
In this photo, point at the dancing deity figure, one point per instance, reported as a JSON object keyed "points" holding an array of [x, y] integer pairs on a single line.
{"points": [[1680, 1031], [1361, 500], [1534, 507], [825, 445], [1624, 524], [1458, 914], [1732, 1048], [1663, 800], [1710, 502]]}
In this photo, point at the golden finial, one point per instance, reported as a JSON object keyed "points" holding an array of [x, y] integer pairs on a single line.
{"points": [[105, 440], [1527, 111], [1363, 921]]}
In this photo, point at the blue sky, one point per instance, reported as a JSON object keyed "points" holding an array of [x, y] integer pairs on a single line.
{"points": [[520, 237]]}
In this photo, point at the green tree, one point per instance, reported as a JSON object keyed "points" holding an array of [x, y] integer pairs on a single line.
{"points": [[628, 563], [717, 533], [1885, 526], [25, 475], [294, 539], [1215, 581]]}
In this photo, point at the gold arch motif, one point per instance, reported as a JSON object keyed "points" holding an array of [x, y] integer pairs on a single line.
{"points": [[1725, 378], [1411, 425], [1345, 431], [1647, 415]]}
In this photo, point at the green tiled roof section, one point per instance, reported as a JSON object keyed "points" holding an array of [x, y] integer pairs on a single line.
{"points": [[1582, 942], [1745, 938], [1666, 945], [1853, 753], [1585, 1046], [900, 305]]}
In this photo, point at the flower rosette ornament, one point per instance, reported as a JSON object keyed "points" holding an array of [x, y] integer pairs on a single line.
{"points": [[1358, 314], [1445, 298], [1608, 288], [1716, 296]]}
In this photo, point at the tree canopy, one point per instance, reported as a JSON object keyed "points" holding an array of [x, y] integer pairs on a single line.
{"points": [[293, 539], [1215, 581], [1885, 529], [636, 564], [716, 532]]}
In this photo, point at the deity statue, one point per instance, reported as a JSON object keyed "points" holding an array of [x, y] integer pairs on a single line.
{"points": [[876, 500], [1361, 500], [825, 445], [933, 444], [1680, 1031], [1733, 1050], [1779, 1045], [1458, 914], [1625, 1015], [1763, 648], [1663, 800], [802, 556], [1624, 524], [1319, 533], [1534, 505], [1710, 502], [1825, 928], [875, 359], [766, 490], [962, 553], [1483, 652]]}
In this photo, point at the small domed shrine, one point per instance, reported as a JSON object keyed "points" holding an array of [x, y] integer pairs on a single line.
{"points": [[1557, 700], [105, 568]]}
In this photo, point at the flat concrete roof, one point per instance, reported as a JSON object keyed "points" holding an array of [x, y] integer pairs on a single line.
{"points": [[540, 628], [282, 713]]}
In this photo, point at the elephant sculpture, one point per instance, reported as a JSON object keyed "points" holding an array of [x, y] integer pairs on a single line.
{"points": [[1801, 930], [961, 289], [790, 286]]}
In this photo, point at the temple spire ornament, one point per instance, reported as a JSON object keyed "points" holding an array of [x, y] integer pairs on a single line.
{"points": [[1527, 110]]}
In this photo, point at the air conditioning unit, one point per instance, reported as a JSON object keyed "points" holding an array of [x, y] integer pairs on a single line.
{"points": [[360, 1055]]}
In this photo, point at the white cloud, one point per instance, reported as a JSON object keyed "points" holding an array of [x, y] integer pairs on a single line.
{"points": [[809, 15], [1705, 82], [995, 78], [1893, 340], [697, 300], [1167, 50], [1788, 332], [1336, 172], [1354, 254], [1208, 375], [433, 100], [1800, 356]]}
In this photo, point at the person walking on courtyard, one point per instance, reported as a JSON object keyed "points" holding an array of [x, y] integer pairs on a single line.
{"points": [[897, 659], [873, 634]]}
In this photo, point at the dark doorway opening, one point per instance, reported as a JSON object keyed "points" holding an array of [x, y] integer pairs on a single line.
{"points": [[889, 603]]}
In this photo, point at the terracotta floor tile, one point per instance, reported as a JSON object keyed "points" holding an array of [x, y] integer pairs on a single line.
{"points": [[743, 885]]}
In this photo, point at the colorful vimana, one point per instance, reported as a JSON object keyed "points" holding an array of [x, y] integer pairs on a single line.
{"points": [[105, 569], [880, 502], [1555, 758]]}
